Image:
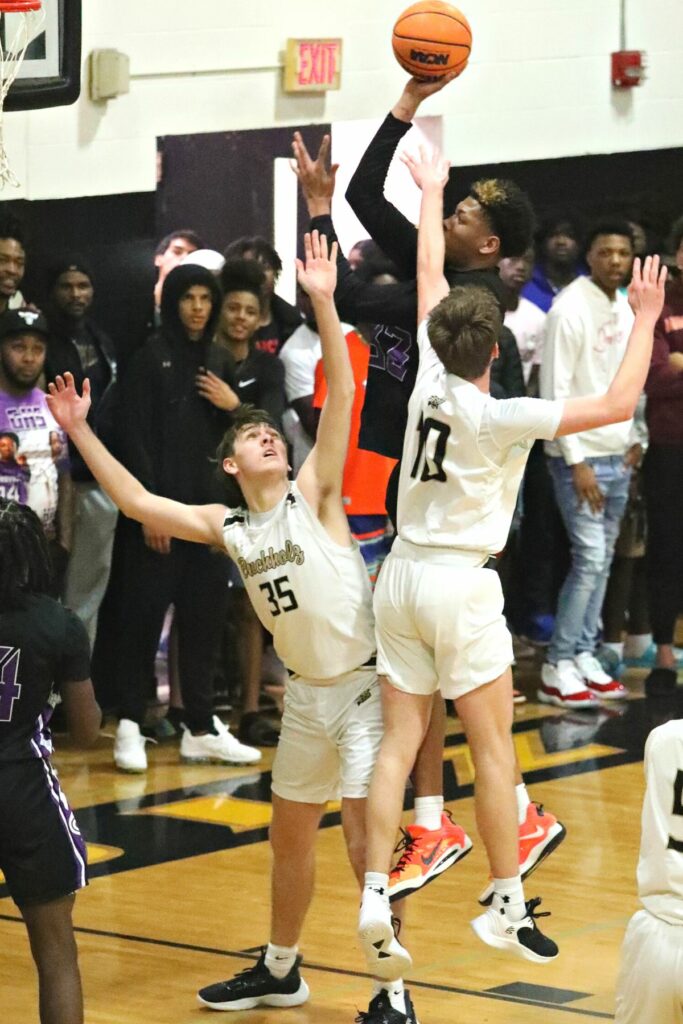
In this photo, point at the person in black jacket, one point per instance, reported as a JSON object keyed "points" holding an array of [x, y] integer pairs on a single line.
{"points": [[279, 318], [78, 345], [175, 409]]}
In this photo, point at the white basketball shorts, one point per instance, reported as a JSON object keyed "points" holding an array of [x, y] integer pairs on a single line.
{"points": [[329, 739], [440, 626], [650, 985]]}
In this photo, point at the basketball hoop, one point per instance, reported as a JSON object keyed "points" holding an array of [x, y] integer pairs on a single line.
{"points": [[27, 17]]}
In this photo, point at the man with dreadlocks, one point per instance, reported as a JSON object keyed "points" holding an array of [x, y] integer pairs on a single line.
{"points": [[492, 220], [44, 655]]}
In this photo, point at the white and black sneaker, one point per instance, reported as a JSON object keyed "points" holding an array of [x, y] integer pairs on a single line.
{"points": [[385, 956], [380, 1011], [256, 986], [521, 938]]}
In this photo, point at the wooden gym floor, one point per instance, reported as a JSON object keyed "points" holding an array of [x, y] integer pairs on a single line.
{"points": [[180, 891]]}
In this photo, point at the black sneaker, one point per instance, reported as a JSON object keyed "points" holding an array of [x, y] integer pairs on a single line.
{"points": [[256, 986], [660, 682], [380, 1011], [258, 730], [521, 938]]}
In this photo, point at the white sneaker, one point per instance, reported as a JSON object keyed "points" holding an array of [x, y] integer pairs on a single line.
{"points": [[386, 958], [129, 747], [219, 746], [563, 685], [521, 938], [597, 680]]}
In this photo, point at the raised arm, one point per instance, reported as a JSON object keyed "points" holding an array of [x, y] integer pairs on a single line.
{"points": [[646, 295], [320, 477], [356, 300], [200, 523], [392, 231], [431, 174]]}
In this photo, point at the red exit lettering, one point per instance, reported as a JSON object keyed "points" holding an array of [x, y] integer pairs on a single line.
{"points": [[317, 63]]}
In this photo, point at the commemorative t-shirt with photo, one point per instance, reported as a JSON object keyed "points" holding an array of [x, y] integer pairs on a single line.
{"points": [[42, 452]]}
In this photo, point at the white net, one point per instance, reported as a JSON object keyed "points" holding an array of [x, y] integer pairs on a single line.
{"points": [[16, 32]]}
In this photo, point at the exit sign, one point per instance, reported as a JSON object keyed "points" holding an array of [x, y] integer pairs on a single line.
{"points": [[313, 65]]}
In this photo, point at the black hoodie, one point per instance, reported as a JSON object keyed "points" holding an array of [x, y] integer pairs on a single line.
{"points": [[170, 433]]}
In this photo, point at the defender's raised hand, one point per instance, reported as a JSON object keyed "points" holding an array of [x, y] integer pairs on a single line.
{"points": [[646, 291], [428, 170], [68, 407], [317, 275], [316, 178]]}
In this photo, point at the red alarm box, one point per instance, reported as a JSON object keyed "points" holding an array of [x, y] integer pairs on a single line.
{"points": [[628, 68]]}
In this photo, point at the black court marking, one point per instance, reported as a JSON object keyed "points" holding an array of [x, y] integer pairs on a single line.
{"points": [[543, 993], [493, 994]]}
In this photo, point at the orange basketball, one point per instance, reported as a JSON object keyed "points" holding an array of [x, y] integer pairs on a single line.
{"points": [[432, 39]]}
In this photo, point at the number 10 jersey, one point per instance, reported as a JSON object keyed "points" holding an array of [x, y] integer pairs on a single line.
{"points": [[463, 458], [311, 593]]}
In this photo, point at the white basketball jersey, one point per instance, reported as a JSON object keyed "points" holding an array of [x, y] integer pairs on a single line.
{"points": [[463, 458], [312, 594], [660, 868]]}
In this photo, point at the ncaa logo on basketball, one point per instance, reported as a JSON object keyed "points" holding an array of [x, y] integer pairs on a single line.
{"points": [[436, 59]]}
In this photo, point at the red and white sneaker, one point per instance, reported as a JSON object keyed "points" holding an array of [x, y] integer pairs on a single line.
{"points": [[539, 835], [597, 680], [563, 685], [425, 855]]}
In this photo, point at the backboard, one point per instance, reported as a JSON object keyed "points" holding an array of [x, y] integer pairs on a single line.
{"points": [[50, 75]]}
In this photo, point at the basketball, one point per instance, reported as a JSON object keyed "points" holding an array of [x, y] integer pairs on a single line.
{"points": [[432, 39]]}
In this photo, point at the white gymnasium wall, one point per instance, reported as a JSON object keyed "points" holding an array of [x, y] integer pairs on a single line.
{"points": [[538, 84]]}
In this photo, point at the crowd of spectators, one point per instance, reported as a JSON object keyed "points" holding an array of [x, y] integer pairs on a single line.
{"points": [[595, 559]]}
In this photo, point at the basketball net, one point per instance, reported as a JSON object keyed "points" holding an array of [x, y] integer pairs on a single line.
{"points": [[29, 17]]}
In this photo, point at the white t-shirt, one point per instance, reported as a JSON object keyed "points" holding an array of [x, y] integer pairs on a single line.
{"points": [[463, 458], [312, 594], [527, 323], [585, 341], [660, 868], [300, 355]]}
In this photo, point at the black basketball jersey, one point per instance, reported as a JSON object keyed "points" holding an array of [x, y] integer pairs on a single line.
{"points": [[42, 646]]}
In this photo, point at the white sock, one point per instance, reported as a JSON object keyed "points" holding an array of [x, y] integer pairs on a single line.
{"points": [[508, 895], [395, 991], [428, 811], [280, 959], [617, 648], [523, 802], [377, 883], [636, 644]]}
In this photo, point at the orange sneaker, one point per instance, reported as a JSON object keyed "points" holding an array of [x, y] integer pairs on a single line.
{"points": [[425, 855], [540, 834]]}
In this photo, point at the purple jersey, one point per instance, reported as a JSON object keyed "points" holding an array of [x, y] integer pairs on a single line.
{"points": [[14, 481]]}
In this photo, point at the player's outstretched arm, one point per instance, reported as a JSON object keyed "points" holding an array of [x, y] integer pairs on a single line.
{"points": [[320, 477], [200, 523], [646, 295], [430, 173]]}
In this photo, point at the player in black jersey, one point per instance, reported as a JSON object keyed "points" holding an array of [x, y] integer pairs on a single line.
{"points": [[44, 654]]}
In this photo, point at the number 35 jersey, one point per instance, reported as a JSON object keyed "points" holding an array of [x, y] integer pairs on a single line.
{"points": [[312, 594], [463, 458]]}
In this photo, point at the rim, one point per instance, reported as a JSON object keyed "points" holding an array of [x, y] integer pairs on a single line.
{"points": [[19, 6]]}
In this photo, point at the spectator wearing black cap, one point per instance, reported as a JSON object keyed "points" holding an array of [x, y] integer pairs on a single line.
{"points": [[24, 415], [78, 345]]}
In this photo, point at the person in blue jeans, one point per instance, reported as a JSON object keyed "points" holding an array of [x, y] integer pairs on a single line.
{"points": [[586, 334]]}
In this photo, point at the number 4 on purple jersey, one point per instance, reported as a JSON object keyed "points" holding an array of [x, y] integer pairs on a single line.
{"points": [[10, 689]]}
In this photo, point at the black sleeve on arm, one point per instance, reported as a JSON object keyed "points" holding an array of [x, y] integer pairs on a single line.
{"points": [[392, 231], [74, 665], [507, 375], [139, 410], [360, 303]]}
